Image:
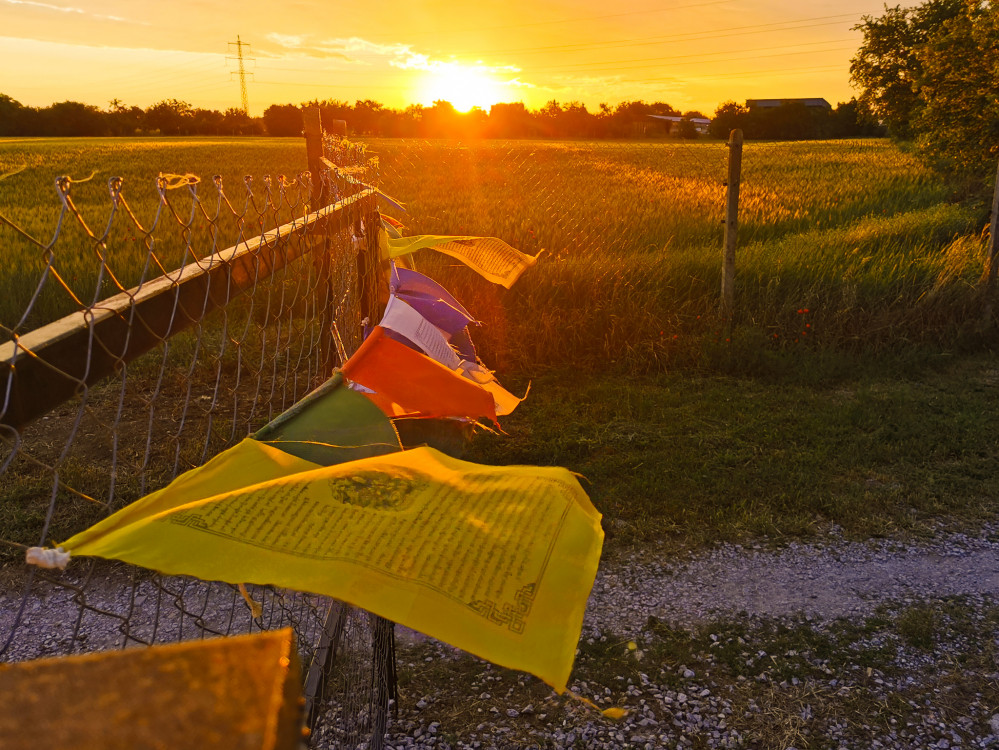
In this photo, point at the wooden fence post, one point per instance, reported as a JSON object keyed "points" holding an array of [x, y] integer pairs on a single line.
{"points": [[322, 262], [314, 151], [994, 232], [727, 307], [992, 258]]}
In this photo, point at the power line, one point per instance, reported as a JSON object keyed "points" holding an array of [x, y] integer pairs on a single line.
{"points": [[765, 28], [698, 57], [701, 57], [731, 74], [739, 73], [242, 71], [686, 61]]}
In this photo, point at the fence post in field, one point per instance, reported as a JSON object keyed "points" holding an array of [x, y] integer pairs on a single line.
{"points": [[990, 282], [322, 261], [727, 307], [314, 151]]}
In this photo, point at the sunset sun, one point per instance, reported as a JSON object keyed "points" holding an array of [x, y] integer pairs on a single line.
{"points": [[462, 85]]}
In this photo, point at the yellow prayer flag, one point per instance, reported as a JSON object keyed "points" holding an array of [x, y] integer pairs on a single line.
{"points": [[401, 246], [498, 561], [490, 257]]}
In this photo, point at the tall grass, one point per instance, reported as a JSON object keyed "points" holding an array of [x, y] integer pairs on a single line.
{"points": [[176, 233], [856, 233], [845, 245]]}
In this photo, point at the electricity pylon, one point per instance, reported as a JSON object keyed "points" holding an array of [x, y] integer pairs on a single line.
{"points": [[242, 71]]}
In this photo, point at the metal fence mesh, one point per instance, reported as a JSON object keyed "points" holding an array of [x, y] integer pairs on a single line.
{"points": [[241, 359], [604, 213]]}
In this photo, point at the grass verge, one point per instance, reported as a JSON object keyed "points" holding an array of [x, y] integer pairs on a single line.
{"points": [[876, 447]]}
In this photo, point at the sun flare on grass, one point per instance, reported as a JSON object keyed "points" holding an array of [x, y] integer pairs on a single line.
{"points": [[463, 85]]}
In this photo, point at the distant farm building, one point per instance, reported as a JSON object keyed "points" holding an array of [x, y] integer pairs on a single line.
{"points": [[673, 123], [774, 103]]}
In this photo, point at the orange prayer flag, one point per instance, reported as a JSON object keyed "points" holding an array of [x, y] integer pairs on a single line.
{"points": [[404, 378]]}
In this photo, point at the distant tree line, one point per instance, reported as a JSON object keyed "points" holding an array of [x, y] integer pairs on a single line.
{"points": [[574, 120], [507, 120], [794, 121], [441, 120], [168, 117]]}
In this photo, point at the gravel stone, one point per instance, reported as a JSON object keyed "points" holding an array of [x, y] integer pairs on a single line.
{"points": [[814, 584], [836, 581]]}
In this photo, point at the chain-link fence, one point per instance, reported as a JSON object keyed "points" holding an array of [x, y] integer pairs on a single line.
{"points": [[103, 406], [141, 350], [609, 216]]}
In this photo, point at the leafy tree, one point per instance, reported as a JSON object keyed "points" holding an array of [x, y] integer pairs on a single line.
{"points": [[70, 119], [631, 118], [576, 121], [958, 123], [474, 123], [662, 108], [365, 116], [207, 122], [932, 72], [686, 129], [283, 120], [887, 67], [235, 121], [441, 120], [393, 123], [510, 120], [548, 118], [332, 109], [122, 120], [170, 117], [13, 116], [728, 117], [851, 119]]}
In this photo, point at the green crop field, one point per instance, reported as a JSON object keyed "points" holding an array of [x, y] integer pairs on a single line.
{"points": [[853, 393], [855, 265], [856, 232]]}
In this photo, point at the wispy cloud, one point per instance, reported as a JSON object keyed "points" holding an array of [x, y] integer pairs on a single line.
{"points": [[71, 10], [416, 61], [354, 51], [288, 41], [364, 52]]}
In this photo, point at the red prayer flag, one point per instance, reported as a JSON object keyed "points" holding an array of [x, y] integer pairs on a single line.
{"points": [[405, 379]]}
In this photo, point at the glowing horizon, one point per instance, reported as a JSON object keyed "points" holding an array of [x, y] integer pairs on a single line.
{"points": [[463, 86], [692, 55]]}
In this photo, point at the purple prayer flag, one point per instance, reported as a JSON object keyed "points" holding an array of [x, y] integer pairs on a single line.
{"points": [[430, 299], [462, 343]]}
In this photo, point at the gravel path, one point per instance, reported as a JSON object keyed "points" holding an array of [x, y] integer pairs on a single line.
{"points": [[834, 579], [859, 685], [875, 690]]}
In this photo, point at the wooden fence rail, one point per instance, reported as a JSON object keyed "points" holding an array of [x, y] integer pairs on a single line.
{"points": [[53, 363]]}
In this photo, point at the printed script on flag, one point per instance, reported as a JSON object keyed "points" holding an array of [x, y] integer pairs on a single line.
{"points": [[498, 561], [490, 257]]}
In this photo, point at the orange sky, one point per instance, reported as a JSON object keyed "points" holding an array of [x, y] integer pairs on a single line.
{"points": [[690, 54]]}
